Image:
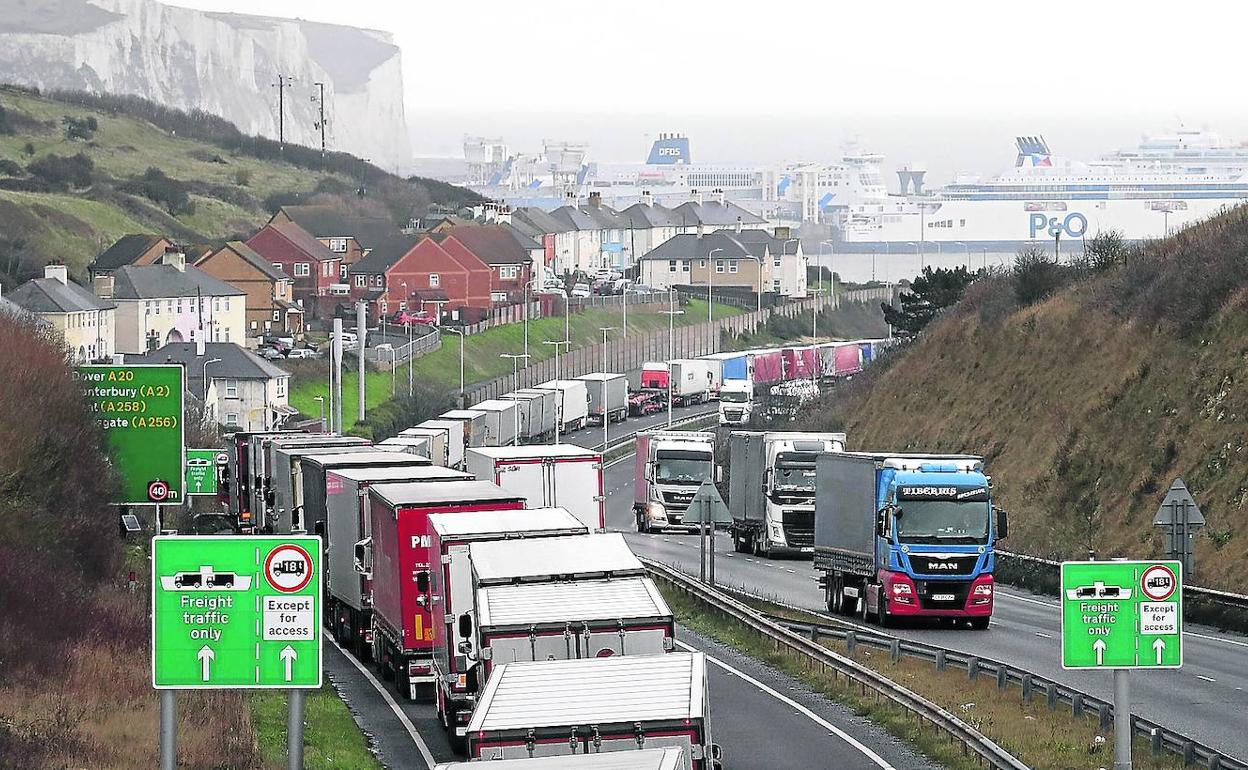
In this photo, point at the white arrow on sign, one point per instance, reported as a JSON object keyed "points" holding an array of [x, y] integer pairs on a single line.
{"points": [[289, 655], [206, 656], [1160, 647], [1099, 646]]}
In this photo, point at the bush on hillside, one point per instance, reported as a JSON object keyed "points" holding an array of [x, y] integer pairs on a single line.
{"points": [[1036, 276], [6, 128], [930, 293], [401, 413], [158, 187], [63, 172], [10, 168], [79, 128]]}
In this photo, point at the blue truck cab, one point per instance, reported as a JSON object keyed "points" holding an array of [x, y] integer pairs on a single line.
{"points": [[906, 535]]}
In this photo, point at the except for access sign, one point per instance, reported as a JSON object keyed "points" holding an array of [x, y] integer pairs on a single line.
{"points": [[140, 407], [236, 612], [1122, 614]]}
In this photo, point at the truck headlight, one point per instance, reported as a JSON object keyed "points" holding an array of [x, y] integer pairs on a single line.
{"points": [[656, 511], [902, 589], [983, 589]]}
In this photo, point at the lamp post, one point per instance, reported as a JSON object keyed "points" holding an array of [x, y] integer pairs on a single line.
{"points": [[320, 402], [559, 410], [463, 342], [515, 375], [671, 346], [210, 361], [604, 330], [394, 367], [710, 272]]}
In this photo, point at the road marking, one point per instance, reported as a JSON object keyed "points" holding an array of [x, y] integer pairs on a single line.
{"points": [[812, 716], [1043, 636], [790, 571], [1216, 639], [398, 712], [1206, 678]]}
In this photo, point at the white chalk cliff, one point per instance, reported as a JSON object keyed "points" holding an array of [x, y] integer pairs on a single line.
{"points": [[225, 64]]}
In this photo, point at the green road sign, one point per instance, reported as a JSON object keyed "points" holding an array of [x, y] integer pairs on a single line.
{"points": [[140, 408], [1122, 614], [201, 470], [236, 611]]}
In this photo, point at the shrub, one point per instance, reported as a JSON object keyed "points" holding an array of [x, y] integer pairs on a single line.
{"points": [[1036, 276], [157, 187], [242, 177], [6, 128], [28, 149], [10, 168], [79, 128], [62, 172]]}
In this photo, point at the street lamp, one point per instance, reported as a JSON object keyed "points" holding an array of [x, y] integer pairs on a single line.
{"points": [[559, 410], [604, 330], [462, 344], [710, 272], [210, 361], [320, 402], [671, 345], [515, 376]]}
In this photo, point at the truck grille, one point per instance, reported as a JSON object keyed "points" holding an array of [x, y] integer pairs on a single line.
{"points": [[799, 528], [677, 501], [733, 414], [943, 565], [956, 589]]}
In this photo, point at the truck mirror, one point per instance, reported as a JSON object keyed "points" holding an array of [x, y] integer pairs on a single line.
{"points": [[465, 625], [361, 556], [881, 522], [719, 473], [319, 528], [422, 581], [1003, 524], [269, 498], [716, 752]]}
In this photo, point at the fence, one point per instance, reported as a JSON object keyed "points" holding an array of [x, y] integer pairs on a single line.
{"points": [[400, 354]]}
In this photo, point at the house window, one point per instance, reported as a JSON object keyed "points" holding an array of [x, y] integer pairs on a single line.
{"points": [[434, 280], [342, 271], [361, 281], [508, 272], [720, 265], [278, 266], [776, 262], [702, 264], [732, 266], [671, 265], [254, 326], [231, 388], [277, 315], [216, 304], [281, 387], [227, 334], [231, 418], [338, 245], [498, 296], [302, 270]]}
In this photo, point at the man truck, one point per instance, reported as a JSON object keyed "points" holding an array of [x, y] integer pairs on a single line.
{"points": [[906, 536], [771, 492], [670, 466]]}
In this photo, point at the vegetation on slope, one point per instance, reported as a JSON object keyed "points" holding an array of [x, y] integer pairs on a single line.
{"points": [[1088, 387], [78, 170]]}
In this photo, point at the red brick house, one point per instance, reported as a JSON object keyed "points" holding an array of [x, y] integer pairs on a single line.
{"points": [[510, 263], [412, 273], [313, 267], [477, 301]]}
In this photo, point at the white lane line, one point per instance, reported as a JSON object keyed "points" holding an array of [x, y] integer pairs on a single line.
{"points": [[1216, 639], [1206, 678], [1043, 636], [790, 571], [398, 712], [812, 716]]}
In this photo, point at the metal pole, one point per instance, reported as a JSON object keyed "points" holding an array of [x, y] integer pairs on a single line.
{"points": [[410, 390], [168, 729], [1122, 719], [361, 327], [1188, 566], [463, 343], [337, 367], [294, 730], [671, 350], [702, 548], [711, 545]]}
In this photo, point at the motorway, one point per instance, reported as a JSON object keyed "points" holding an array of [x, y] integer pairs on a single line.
{"points": [[1205, 700], [761, 718]]}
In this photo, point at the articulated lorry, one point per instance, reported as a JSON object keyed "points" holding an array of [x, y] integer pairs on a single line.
{"points": [[502, 421], [580, 706], [670, 466], [474, 424], [275, 494], [547, 475], [906, 535], [454, 441], [608, 396], [537, 413], [771, 490], [311, 472], [399, 549], [572, 403]]}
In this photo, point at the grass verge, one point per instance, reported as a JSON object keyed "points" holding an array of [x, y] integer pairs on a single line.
{"points": [[1043, 739], [332, 740]]}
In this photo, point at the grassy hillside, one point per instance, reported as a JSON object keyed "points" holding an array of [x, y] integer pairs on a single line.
{"points": [[1089, 401], [212, 183]]}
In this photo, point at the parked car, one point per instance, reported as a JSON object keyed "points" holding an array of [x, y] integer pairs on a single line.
{"points": [[303, 353], [641, 289], [581, 290], [607, 275], [554, 290], [404, 317], [278, 342], [270, 353], [621, 286]]}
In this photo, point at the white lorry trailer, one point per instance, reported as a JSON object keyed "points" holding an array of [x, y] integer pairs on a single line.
{"points": [[537, 413], [548, 475], [670, 466], [771, 489], [691, 380], [572, 405], [563, 707], [474, 425], [455, 439], [608, 396], [502, 421]]}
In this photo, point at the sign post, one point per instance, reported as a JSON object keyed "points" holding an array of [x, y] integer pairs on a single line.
{"points": [[1181, 516], [707, 509], [1122, 615], [140, 407], [236, 612]]}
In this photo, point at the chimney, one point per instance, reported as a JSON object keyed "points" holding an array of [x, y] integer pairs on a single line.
{"points": [[697, 196], [738, 224], [103, 286], [783, 233], [595, 199], [647, 199], [176, 257], [719, 197], [59, 272], [201, 348]]}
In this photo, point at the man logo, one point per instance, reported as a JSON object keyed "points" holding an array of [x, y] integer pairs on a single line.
{"points": [[937, 566], [1073, 226]]}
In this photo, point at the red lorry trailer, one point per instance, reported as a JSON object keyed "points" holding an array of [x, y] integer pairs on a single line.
{"points": [[402, 617], [452, 594]]}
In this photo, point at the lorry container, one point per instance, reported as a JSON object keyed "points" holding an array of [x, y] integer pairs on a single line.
{"points": [[421, 446], [841, 359], [502, 421], [399, 554], [537, 417], [563, 707], [261, 461], [310, 475], [348, 582], [456, 439], [771, 489], [736, 387], [235, 480], [906, 535], [654, 376], [279, 486], [670, 758], [572, 403], [439, 443], [767, 367], [691, 381], [669, 468], [452, 596], [547, 475], [800, 363], [475, 432], [608, 396]]}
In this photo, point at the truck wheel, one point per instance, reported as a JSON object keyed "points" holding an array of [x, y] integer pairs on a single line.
{"points": [[459, 743], [980, 624], [641, 521], [401, 682], [881, 611], [836, 597]]}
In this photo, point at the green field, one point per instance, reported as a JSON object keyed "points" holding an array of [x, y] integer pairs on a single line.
{"points": [[331, 738], [481, 356]]}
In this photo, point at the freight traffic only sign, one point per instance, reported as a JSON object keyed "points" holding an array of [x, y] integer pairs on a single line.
{"points": [[1122, 614], [236, 612], [140, 408], [201, 470]]}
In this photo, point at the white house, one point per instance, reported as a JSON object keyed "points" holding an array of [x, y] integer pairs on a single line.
{"points": [[86, 322]]}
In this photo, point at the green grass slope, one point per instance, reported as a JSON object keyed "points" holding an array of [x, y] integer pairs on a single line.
{"points": [[1088, 403], [233, 182]]}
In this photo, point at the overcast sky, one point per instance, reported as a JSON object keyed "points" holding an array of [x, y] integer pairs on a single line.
{"points": [[1091, 73]]}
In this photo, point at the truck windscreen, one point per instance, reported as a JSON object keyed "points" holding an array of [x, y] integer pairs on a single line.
{"points": [[675, 466], [731, 397], [795, 470], [942, 521]]}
